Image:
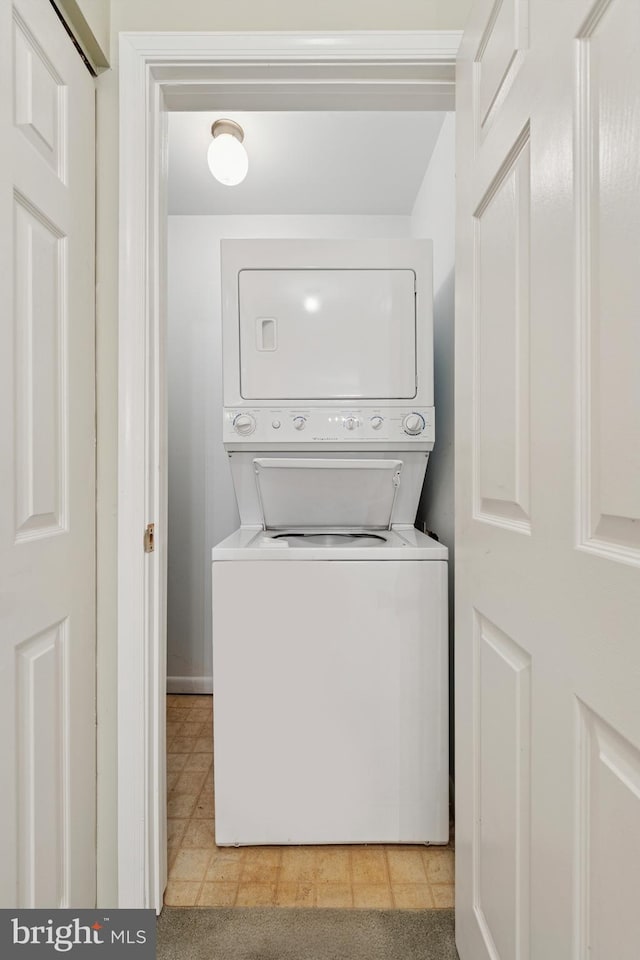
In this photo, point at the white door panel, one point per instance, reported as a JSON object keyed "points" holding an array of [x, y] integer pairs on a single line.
{"points": [[548, 482], [608, 205], [47, 453]]}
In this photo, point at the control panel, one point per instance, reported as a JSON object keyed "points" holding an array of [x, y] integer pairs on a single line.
{"points": [[279, 425]]}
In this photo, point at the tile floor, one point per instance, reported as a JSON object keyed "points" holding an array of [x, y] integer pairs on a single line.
{"points": [[202, 874]]}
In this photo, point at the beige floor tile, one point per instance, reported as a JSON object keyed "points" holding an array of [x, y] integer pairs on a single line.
{"points": [[203, 703], [439, 864], [202, 715], [199, 834], [182, 745], [175, 831], [178, 714], [338, 895], [333, 865], [298, 864], [286, 894], [190, 865], [271, 855], [223, 868], [443, 894], [412, 896], [375, 896], [261, 864], [218, 894], [202, 700], [173, 728], [199, 761], [177, 702], [231, 853], [181, 806], [176, 762], [190, 781], [181, 893], [207, 786], [259, 873], [204, 808], [306, 896], [256, 894], [203, 745], [172, 779], [406, 866], [369, 865], [191, 728]]}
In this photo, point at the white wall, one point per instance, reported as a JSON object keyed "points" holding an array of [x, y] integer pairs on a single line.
{"points": [[97, 14], [289, 15], [202, 505], [433, 217]]}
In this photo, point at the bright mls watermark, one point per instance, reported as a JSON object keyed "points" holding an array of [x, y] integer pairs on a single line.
{"points": [[81, 933]]}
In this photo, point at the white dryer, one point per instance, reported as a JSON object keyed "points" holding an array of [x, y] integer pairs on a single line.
{"points": [[329, 607]]}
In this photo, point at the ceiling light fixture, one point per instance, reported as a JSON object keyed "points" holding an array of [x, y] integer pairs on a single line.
{"points": [[227, 158]]}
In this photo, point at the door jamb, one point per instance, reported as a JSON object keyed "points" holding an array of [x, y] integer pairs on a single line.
{"points": [[160, 72]]}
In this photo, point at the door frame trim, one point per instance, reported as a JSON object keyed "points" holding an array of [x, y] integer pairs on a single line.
{"points": [[159, 72]]}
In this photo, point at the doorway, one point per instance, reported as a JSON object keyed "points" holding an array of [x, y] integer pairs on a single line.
{"points": [[330, 174], [159, 74]]}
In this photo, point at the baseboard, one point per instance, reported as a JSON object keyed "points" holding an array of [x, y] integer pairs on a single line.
{"points": [[189, 684]]}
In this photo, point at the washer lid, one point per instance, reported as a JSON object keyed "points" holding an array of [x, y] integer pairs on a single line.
{"points": [[335, 493]]}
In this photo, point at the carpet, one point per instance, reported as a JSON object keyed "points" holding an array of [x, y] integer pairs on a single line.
{"points": [[256, 933]]}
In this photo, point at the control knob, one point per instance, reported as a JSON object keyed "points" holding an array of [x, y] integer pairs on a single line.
{"points": [[413, 424], [376, 422], [244, 424], [351, 423], [299, 422]]}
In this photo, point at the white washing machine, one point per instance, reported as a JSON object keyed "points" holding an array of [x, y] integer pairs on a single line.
{"points": [[329, 607]]}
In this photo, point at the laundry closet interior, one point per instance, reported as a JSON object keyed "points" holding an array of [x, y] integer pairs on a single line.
{"points": [[336, 192]]}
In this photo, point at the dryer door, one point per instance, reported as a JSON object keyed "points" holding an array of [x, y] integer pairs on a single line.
{"points": [[327, 334]]}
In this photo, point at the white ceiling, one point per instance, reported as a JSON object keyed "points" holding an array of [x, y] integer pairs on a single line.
{"points": [[342, 162]]}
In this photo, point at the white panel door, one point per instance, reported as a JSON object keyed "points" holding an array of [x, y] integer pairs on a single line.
{"points": [[548, 482], [47, 474]]}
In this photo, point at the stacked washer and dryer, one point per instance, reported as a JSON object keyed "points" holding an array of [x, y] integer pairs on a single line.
{"points": [[329, 606]]}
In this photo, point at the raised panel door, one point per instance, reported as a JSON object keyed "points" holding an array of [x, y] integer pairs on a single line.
{"points": [[547, 481], [47, 465]]}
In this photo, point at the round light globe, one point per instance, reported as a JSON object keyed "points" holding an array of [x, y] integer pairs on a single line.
{"points": [[227, 159]]}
